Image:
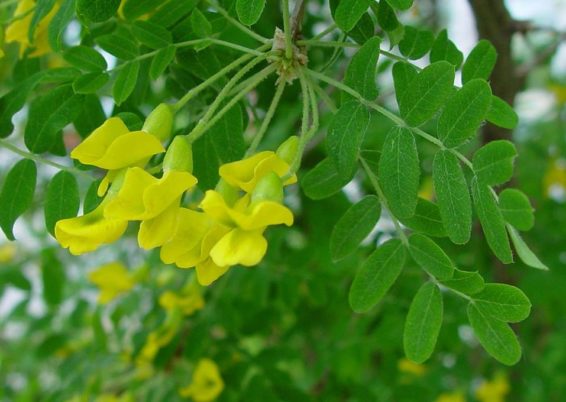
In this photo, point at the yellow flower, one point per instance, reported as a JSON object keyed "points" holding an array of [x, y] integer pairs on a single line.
{"points": [[113, 279], [143, 197], [406, 366], [206, 383], [246, 173], [451, 397], [493, 391], [188, 301], [244, 244], [190, 245], [88, 232], [18, 30], [113, 146]]}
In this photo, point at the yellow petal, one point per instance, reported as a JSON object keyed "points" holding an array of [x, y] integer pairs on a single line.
{"points": [[96, 144], [267, 213], [208, 272], [128, 150], [207, 384], [128, 203], [239, 247], [247, 172], [157, 231], [88, 232], [166, 191], [106, 181]]}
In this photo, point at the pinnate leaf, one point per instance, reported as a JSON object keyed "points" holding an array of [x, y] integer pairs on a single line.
{"points": [[523, 251]]}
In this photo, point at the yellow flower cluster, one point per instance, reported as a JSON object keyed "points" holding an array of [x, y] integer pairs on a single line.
{"points": [[227, 229]]}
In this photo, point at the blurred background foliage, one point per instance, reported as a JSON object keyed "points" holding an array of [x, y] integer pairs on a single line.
{"points": [[284, 331]]}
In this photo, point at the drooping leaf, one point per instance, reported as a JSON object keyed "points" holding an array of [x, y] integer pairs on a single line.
{"points": [[323, 180], [453, 197], [464, 113], [349, 12], [444, 49], [496, 337], [516, 209], [430, 257], [97, 10], [416, 42], [85, 58], [426, 219], [48, 115], [17, 194], [152, 35], [503, 302], [376, 275], [493, 163], [524, 252], [426, 93], [362, 71], [125, 82], [62, 199], [161, 61], [249, 11], [354, 226], [399, 172], [491, 221], [466, 282], [502, 114], [480, 62], [345, 136], [423, 323]]}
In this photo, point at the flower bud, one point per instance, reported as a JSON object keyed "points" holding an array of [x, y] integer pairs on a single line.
{"points": [[228, 192], [160, 122], [179, 155], [288, 150], [268, 188]]}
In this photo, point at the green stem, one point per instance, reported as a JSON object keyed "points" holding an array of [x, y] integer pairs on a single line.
{"points": [[321, 35], [323, 95], [196, 90], [268, 116], [36, 158], [287, 29], [236, 23], [390, 115], [373, 179], [196, 134]]}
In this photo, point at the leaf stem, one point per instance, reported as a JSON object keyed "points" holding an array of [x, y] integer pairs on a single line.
{"points": [[36, 158], [287, 29], [322, 34], [237, 23], [268, 116]]}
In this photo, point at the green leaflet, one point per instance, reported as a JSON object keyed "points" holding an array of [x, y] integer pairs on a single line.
{"points": [[323, 180], [62, 199], [345, 136], [495, 336], [503, 302], [133, 9], [403, 76], [85, 58], [464, 112], [354, 226], [426, 93], [399, 171], [386, 17], [453, 197], [523, 251], [59, 24], [48, 115], [376, 275], [17, 194], [426, 219], [491, 221], [161, 61], [92, 200], [423, 323], [361, 74], [493, 163], [349, 12], [401, 4], [249, 11], [172, 12], [90, 82], [53, 278], [444, 49], [465, 282], [430, 257], [364, 29], [416, 42], [40, 11], [516, 209], [502, 114], [200, 24], [151, 34], [125, 82], [480, 62], [97, 10], [122, 45]]}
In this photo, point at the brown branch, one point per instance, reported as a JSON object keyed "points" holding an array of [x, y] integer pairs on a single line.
{"points": [[297, 19]]}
